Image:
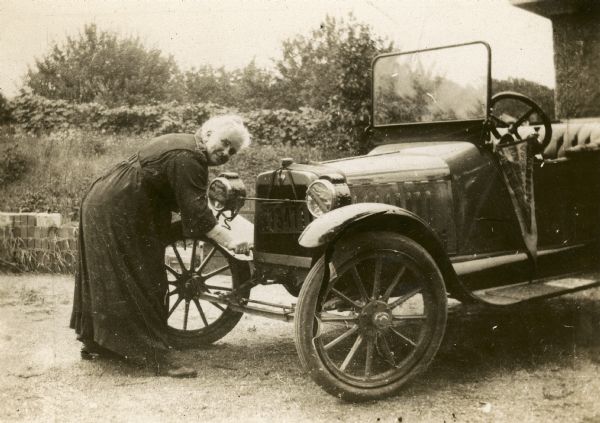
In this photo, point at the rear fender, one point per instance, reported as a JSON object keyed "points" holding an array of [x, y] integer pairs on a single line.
{"points": [[336, 225]]}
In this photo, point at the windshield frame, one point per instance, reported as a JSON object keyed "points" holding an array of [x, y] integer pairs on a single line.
{"points": [[442, 122]]}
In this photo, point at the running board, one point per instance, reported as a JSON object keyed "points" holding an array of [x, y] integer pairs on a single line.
{"points": [[538, 289], [466, 267]]}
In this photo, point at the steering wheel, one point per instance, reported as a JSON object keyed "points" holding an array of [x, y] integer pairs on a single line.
{"points": [[497, 122]]}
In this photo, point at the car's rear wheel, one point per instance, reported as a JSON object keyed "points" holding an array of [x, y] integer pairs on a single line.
{"points": [[193, 267], [378, 322]]}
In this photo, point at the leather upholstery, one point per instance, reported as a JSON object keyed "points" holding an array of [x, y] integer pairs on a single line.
{"points": [[565, 136], [568, 139]]}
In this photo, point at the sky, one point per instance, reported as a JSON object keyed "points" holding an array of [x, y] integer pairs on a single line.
{"points": [[231, 33]]}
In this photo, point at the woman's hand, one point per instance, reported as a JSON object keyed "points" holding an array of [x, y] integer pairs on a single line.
{"points": [[223, 237], [240, 247]]}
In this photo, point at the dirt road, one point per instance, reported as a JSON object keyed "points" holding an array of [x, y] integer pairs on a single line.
{"points": [[537, 363]]}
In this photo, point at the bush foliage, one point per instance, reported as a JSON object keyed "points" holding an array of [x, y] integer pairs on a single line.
{"points": [[13, 164], [5, 115], [306, 126], [36, 114]]}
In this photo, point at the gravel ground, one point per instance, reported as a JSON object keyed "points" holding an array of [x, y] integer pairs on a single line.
{"points": [[536, 363]]}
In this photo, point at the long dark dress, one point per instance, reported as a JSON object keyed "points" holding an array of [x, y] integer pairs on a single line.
{"points": [[120, 282]]}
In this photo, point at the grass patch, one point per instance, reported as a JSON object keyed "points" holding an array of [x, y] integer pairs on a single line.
{"points": [[15, 256], [61, 166]]}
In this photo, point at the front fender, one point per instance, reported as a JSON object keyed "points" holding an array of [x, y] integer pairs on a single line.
{"points": [[326, 228]]}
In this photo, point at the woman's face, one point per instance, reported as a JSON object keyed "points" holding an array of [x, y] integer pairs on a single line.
{"points": [[220, 150]]}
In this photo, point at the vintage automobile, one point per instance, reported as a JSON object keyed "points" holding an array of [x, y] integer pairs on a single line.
{"points": [[467, 196]]}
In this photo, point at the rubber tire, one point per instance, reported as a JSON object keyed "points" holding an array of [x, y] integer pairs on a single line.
{"points": [[310, 359], [199, 338]]}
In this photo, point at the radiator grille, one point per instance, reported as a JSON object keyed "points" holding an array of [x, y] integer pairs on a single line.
{"points": [[278, 225]]}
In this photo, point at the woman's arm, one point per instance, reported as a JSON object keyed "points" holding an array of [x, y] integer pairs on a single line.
{"points": [[187, 175]]}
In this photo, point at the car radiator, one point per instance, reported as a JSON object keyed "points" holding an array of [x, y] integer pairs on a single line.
{"points": [[278, 225]]}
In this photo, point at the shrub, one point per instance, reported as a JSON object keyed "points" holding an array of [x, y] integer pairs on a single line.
{"points": [[33, 114], [13, 164], [285, 127], [61, 166], [332, 128], [36, 115], [5, 112]]}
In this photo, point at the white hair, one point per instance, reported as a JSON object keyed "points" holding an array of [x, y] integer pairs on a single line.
{"points": [[229, 127]]}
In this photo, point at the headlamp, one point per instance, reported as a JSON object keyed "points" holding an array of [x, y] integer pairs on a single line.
{"points": [[323, 196], [226, 193]]}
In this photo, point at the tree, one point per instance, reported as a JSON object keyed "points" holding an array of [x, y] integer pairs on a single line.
{"points": [[331, 67], [98, 66], [257, 88], [541, 94], [330, 70], [207, 84], [248, 88]]}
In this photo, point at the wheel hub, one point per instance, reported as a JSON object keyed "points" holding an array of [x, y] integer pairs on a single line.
{"points": [[374, 317], [191, 285], [382, 320]]}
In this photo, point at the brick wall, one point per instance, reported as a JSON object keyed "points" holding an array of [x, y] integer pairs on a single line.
{"points": [[37, 241]]}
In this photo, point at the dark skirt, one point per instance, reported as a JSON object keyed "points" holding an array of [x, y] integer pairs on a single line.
{"points": [[120, 282]]}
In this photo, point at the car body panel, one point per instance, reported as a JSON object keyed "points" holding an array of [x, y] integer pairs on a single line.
{"points": [[446, 176]]}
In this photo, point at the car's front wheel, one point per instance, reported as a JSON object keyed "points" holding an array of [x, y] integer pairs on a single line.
{"points": [[379, 321], [195, 267]]}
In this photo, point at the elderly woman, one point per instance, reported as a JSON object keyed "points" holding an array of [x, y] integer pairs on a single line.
{"points": [[120, 283]]}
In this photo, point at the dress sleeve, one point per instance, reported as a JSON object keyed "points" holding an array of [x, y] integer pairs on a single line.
{"points": [[188, 177]]}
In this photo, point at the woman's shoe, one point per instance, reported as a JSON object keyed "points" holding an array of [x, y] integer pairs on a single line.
{"points": [[181, 372], [173, 370], [86, 355], [91, 351]]}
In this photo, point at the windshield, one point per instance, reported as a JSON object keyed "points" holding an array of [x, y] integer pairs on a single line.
{"points": [[440, 85]]}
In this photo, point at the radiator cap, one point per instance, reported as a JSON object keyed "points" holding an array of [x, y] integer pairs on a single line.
{"points": [[285, 162]]}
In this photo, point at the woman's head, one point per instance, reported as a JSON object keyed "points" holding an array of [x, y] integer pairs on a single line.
{"points": [[223, 136]]}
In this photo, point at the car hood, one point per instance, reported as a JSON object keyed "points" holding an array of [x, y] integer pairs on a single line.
{"points": [[391, 163], [413, 162]]}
